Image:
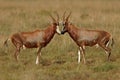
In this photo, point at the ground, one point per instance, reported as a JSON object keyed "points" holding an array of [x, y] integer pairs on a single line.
{"points": [[59, 57]]}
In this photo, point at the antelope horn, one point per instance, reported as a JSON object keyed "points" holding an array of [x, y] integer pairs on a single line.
{"points": [[68, 16], [64, 16], [52, 18], [57, 16]]}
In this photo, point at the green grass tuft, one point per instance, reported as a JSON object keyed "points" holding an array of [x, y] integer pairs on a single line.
{"points": [[104, 67]]}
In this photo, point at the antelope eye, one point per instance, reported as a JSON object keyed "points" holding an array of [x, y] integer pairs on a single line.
{"points": [[63, 24]]}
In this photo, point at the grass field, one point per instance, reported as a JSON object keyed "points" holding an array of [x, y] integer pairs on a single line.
{"points": [[60, 56]]}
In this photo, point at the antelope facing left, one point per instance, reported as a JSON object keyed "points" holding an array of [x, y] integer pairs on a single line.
{"points": [[34, 39], [85, 37]]}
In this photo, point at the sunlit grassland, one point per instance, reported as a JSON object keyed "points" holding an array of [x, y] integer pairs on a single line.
{"points": [[59, 57]]}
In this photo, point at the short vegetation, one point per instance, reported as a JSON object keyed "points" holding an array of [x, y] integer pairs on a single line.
{"points": [[59, 58]]}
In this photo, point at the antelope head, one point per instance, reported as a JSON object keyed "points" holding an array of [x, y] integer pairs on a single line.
{"points": [[65, 23], [56, 23]]}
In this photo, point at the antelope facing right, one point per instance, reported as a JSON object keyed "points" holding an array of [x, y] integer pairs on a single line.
{"points": [[85, 37], [34, 39]]}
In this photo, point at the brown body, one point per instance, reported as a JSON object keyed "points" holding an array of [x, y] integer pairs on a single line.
{"points": [[34, 39], [85, 37]]}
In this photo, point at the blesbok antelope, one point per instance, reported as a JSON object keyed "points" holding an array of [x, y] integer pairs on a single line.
{"points": [[35, 39], [85, 37]]}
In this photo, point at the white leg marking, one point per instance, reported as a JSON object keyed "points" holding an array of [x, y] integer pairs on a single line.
{"points": [[18, 57], [24, 47], [37, 60], [106, 52], [78, 56], [96, 45], [83, 47], [83, 54], [107, 44]]}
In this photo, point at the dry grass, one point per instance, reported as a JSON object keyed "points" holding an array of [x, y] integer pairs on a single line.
{"points": [[60, 56]]}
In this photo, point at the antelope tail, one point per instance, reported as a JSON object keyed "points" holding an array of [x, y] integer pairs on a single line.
{"points": [[112, 42], [6, 42]]}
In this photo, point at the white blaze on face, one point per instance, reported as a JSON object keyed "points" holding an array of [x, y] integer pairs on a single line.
{"points": [[58, 30]]}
